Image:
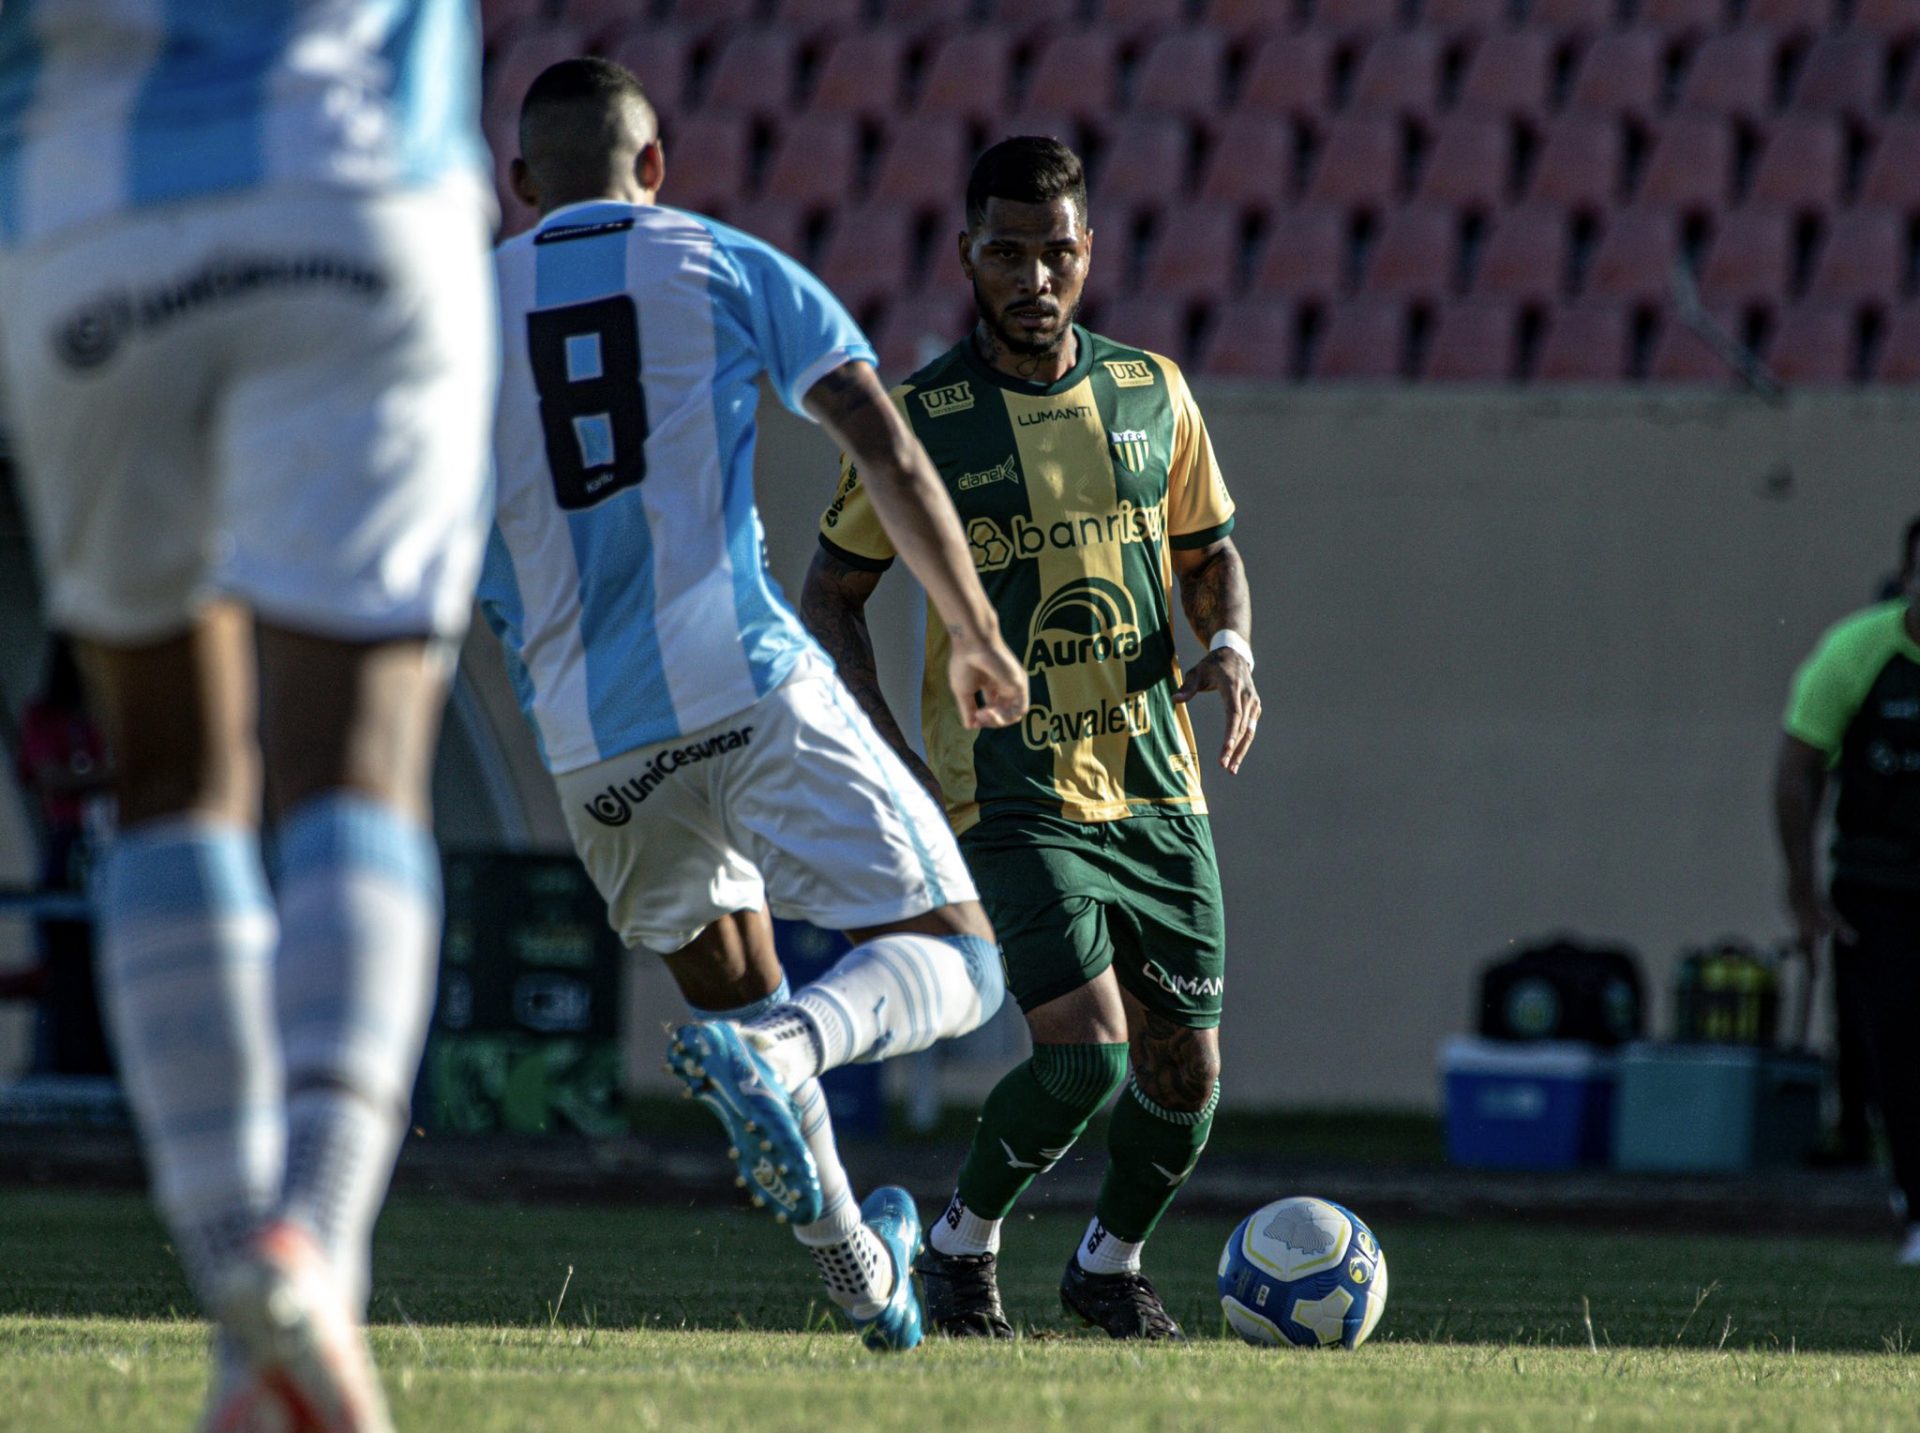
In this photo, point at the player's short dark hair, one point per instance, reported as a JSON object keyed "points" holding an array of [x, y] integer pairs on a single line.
{"points": [[1909, 559], [1028, 169], [587, 81]]}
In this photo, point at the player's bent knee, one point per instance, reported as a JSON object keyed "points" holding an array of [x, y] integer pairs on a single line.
{"points": [[984, 969], [1180, 1075]]}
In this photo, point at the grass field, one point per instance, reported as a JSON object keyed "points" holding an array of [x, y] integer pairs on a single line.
{"points": [[700, 1319]]}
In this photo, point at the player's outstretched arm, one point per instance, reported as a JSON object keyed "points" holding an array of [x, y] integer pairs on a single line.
{"points": [[920, 521], [1213, 589]]}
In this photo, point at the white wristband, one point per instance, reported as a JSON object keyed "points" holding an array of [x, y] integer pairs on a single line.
{"points": [[1233, 642]]}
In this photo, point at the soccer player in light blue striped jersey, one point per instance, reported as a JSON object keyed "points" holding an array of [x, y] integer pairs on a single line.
{"points": [[710, 764], [249, 347]]}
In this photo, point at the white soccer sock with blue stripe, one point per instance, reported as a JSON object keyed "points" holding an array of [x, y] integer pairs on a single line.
{"points": [[360, 933], [185, 966]]}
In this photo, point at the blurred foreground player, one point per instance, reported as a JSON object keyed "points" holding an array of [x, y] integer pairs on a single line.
{"points": [[707, 758], [1088, 485], [1854, 714], [249, 348]]}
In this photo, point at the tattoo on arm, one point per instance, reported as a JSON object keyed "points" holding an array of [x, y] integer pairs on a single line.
{"points": [[1214, 593], [1175, 1066]]}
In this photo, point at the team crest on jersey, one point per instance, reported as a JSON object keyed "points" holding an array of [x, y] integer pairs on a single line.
{"points": [[1130, 448], [954, 398], [1130, 372]]}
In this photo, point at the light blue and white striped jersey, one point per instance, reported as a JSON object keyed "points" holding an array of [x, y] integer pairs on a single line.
{"points": [[113, 105], [626, 575]]}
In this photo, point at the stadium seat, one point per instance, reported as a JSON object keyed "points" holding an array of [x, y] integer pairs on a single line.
{"points": [[918, 328], [1144, 162], [780, 222], [1691, 164], [500, 18], [602, 21], [1580, 163], [1182, 75], [1251, 162], [1077, 72], [706, 160], [1899, 359], [925, 163], [969, 75], [816, 19], [1732, 74], [661, 58], [816, 161], [1468, 18], [1843, 74], [1683, 19], [1895, 21], [1138, 19], [1864, 257], [528, 51], [1892, 178], [1306, 254], [1635, 258], [1470, 163], [1414, 256], [1290, 75], [1474, 341], [1525, 255], [1750, 259], [1039, 120], [1150, 321], [928, 17], [1511, 73], [1365, 341], [711, 17], [1360, 162], [1621, 74], [1248, 20], [861, 75], [1585, 343], [753, 74], [1027, 20], [868, 255], [1791, 17], [1803, 165], [1195, 254], [1682, 355], [1400, 74], [1580, 19], [1252, 338], [1813, 345], [1355, 19]]}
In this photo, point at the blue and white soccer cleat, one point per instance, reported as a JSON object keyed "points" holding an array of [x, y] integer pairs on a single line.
{"points": [[728, 1076], [889, 1212]]}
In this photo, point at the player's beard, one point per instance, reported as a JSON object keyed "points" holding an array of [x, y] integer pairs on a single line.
{"points": [[1012, 339]]}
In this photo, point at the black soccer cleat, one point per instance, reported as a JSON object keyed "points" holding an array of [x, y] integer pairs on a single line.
{"points": [[960, 1295], [1124, 1305]]}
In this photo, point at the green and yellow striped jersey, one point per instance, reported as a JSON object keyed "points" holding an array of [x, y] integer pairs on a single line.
{"points": [[1073, 495]]}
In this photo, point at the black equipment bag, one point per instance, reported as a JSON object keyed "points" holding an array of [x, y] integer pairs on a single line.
{"points": [[1564, 989]]}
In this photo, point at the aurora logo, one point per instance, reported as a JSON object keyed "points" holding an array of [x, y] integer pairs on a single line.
{"points": [[1091, 619]]}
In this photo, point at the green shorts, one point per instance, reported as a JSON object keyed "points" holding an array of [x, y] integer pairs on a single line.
{"points": [[1070, 898]]}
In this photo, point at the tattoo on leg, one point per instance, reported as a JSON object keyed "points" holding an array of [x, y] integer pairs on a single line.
{"points": [[1175, 1066]]}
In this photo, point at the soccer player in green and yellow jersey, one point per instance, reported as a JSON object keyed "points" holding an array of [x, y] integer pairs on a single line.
{"points": [[1087, 485]]}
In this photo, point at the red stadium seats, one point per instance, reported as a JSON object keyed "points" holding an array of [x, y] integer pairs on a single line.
{"points": [[1585, 343], [1077, 72], [1892, 179], [1252, 338], [1251, 162], [1195, 254], [500, 18], [520, 61], [1470, 164], [1414, 255], [1795, 17], [706, 161], [813, 19], [1525, 255], [661, 58], [1683, 19], [1356, 18], [1681, 354], [1895, 21], [1248, 19], [816, 161], [1899, 360], [1365, 341], [924, 17], [1750, 258], [925, 164], [1400, 74], [754, 74], [1144, 163], [1732, 74], [918, 328], [1635, 258], [1305, 255], [1812, 345], [603, 21], [1864, 257], [1472, 18], [1137, 19], [1691, 164], [1183, 75], [1580, 163], [1026, 20], [1290, 75], [1803, 166], [1150, 321], [868, 257], [780, 222], [1621, 74], [1359, 163], [1582, 18], [711, 17], [1843, 74], [1474, 341], [970, 75], [861, 75], [1511, 73]]}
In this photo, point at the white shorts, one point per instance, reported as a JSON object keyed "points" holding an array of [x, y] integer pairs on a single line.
{"points": [[795, 803], [284, 396]]}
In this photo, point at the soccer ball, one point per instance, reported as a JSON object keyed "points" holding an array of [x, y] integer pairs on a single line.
{"points": [[1303, 1273]]}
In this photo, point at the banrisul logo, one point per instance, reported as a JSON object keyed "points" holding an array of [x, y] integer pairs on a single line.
{"points": [[954, 398], [1089, 620], [1130, 448]]}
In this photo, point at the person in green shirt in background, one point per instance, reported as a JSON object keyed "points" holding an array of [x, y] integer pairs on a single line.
{"points": [[1854, 715]]}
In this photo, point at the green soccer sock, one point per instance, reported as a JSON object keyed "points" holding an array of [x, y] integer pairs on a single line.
{"points": [[1151, 1151], [1030, 1120]]}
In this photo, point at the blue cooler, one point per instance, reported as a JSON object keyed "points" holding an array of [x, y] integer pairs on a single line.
{"points": [[1527, 1105]]}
